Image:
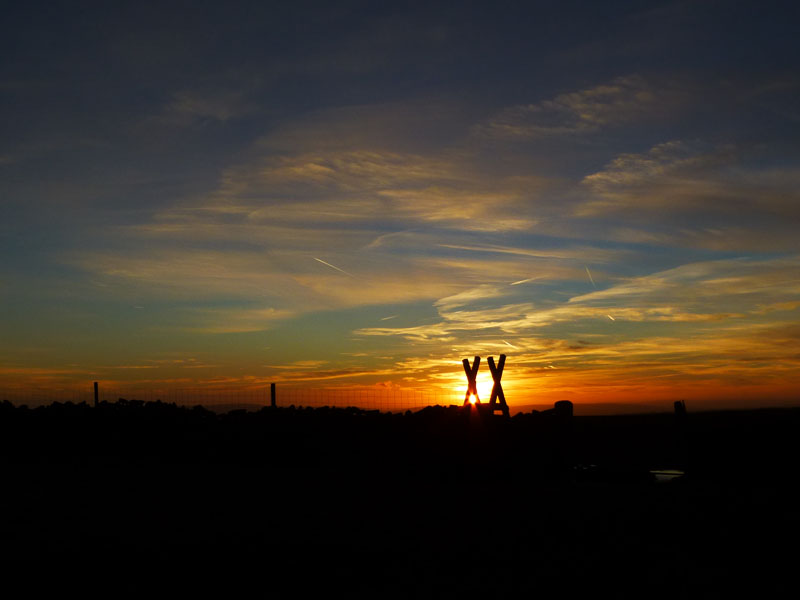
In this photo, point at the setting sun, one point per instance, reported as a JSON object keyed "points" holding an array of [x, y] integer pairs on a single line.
{"points": [[484, 384]]}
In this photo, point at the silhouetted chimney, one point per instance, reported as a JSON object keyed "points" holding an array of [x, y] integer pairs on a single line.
{"points": [[680, 409], [682, 435], [272, 400], [96, 395]]}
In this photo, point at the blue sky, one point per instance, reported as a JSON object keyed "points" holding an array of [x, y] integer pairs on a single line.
{"points": [[347, 194]]}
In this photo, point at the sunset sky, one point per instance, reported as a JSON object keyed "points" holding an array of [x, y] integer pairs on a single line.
{"points": [[362, 194]]}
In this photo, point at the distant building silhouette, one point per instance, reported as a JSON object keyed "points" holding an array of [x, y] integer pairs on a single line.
{"points": [[563, 408]]}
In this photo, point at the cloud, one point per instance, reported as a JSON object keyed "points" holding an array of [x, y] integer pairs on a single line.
{"points": [[522, 319], [301, 364], [746, 283], [463, 208], [291, 280], [694, 194], [186, 273], [233, 320], [300, 375], [619, 101], [190, 107], [347, 170], [369, 186], [407, 127], [713, 293], [678, 170], [359, 189], [468, 296], [565, 253]]}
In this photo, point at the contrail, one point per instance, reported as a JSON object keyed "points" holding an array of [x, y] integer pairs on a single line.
{"points": [[523, 281], [589, 273], [387, 318], [610, 317], [333, 267], [512, 345]]}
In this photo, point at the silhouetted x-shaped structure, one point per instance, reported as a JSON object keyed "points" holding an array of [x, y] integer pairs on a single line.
{"points": [[497, 388], [498, 400], [472, 374]]}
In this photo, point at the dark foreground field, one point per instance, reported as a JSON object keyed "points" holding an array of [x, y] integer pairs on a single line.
{"points": [[153, 498]]}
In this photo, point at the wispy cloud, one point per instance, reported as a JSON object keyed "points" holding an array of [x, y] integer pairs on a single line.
{"points": [[564, 253], [301, 364], [286, 279], [233, 320], [347, 170], [468, 296], [192, 107], [716, 304], [466, 208], [746, 283], [703, 195], [585, 111]]}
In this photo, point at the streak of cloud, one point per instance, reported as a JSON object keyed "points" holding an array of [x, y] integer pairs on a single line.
{"points": [[334, 267], [589, 273], [521, 281], [541, 253]]}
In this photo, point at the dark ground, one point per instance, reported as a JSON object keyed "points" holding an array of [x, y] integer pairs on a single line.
{"points": [[152, 497]]}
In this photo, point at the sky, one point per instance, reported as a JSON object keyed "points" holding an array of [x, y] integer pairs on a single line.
{"points": [[358, 195]]}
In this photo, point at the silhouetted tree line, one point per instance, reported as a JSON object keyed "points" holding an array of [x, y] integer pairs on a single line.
{"points": [[437, 440]]}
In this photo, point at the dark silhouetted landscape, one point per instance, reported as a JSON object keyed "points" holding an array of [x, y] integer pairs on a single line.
{"points": [[148, 496]]}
